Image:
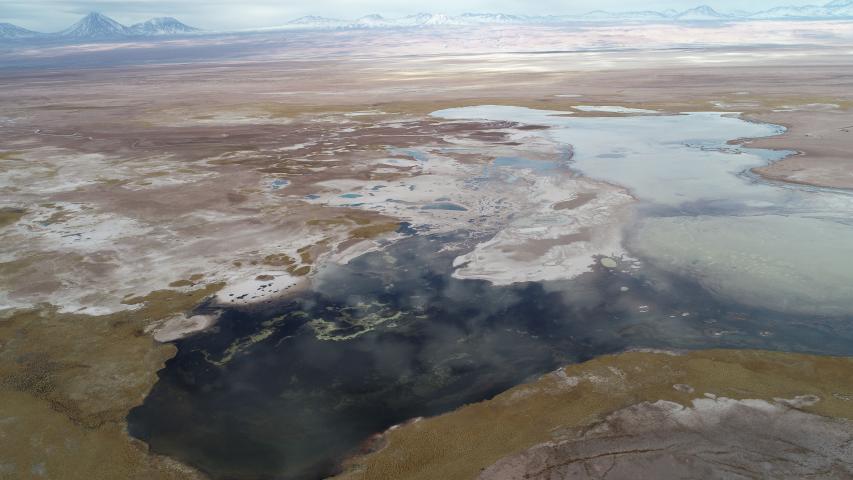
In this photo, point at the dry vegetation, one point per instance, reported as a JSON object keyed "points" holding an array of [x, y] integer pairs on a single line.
{"points": [[67, 382], [460, 444]]}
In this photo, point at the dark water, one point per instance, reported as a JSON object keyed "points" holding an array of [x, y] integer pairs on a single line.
{"points": [[262, 397]]}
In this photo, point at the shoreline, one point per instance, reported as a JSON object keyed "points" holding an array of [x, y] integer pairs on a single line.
{"points": [[567, 405], [811, 165]]}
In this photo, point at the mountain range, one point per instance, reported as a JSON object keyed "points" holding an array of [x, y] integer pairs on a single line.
{"points": [[96, 26], [837, 9]]}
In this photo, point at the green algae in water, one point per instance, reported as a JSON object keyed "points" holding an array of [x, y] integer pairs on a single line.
{"points": [[351, 322], [282, 400], [609, 262], [297, 403], [342, 330]]}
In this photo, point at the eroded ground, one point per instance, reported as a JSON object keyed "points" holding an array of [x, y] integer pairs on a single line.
{"points": [[131, 195]]}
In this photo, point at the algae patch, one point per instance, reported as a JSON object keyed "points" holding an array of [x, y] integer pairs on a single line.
{"points": [[609, 263], [351, 322]]}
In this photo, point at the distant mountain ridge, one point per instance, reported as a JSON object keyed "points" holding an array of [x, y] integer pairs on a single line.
{"points": [[702, 12], [7, 30], [161, 26], [837, 9], [96, 26]]}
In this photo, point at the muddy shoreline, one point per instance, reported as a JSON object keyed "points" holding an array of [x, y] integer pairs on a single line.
{"points": [[821, 144]]}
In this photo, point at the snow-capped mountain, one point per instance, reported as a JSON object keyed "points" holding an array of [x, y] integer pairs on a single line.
{"points": [[424, 19], [701, 13], [495, 18], [841, 7], [417, 20], [95, 26], [601, 15], [836, 9], [314, 21], [14, 32], [808, 11], [161, 26], [372, 20]]}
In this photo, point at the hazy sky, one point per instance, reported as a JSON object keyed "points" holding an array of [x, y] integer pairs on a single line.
{"points": [[50, 15]]}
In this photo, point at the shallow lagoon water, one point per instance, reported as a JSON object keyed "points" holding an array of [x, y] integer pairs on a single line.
{"points": [[702, 214], [444, 206], [262, 396], [288, 390], [538, 166], [663, 159]]}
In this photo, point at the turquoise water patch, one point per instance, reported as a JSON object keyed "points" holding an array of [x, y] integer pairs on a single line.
{"points": [[418, 155], [279, 183], [444, 206], [538, 166]]}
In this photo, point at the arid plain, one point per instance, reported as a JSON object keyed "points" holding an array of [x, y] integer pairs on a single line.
{"points": [[147, 188]]}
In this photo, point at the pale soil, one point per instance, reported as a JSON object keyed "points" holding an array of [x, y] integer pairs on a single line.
{"points": [[823, 140], [181, 326]]}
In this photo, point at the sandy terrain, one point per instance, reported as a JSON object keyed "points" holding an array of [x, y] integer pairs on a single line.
{"points": [[822, 135]]}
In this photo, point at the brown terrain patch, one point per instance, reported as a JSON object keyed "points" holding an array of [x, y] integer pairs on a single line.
{"points": [[822, 140], [564, 404], [67, 382], [10, 216], [535, 248], [580, 200]]}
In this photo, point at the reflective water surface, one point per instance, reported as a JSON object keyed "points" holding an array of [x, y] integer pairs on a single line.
{"points": [[287, 390]]}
